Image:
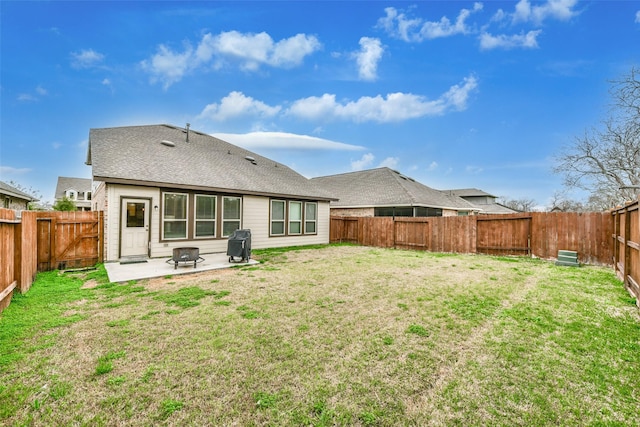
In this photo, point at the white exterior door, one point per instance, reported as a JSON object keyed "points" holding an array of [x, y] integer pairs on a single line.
{"points": [[134, 240]]}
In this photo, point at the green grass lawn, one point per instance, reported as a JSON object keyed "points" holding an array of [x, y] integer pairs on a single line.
{"points": [[335, 335]]}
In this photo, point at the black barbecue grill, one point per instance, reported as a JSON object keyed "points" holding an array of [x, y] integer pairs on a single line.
{"points": [[239, 245]]}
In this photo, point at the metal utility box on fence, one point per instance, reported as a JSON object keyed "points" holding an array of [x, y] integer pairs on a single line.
{"points": [[239, 245], [568, 258]]}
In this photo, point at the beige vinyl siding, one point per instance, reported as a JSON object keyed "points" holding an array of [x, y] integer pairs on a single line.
{"points": [[256, 218], [99, 203], [165, 248], [114, 193]]}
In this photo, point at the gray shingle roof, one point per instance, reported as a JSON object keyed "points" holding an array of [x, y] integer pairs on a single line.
{"points": [[495, 208], [160, 155], [386, 187], [470, 192], [483, 200], [68, 183], [12, 191]]}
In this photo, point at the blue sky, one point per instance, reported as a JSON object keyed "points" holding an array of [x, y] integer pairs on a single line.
{"points": [[455, 94]]}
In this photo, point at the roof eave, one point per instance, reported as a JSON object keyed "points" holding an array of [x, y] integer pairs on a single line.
{"points": [[412, 205], [125, 181]]}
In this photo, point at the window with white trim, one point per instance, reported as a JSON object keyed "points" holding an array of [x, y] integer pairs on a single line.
{"points": [[295, 217], [231, 213], [277, 217], [310, 218], [174, 216], [205, 216]]}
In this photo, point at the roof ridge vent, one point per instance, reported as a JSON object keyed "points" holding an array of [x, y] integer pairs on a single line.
{"points": [[406, 178]]}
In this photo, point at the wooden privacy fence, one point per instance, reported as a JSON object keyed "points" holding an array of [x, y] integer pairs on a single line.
{"points": [[626, 247], [69, 240], [539, 234], [42, 241]]}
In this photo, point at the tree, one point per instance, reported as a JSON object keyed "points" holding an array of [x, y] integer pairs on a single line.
{"points": [[30, 191], [560, 201], [522, 205], [605, 161], [65, 204]]}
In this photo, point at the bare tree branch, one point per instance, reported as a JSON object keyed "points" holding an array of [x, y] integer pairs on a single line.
{"points": [[606, 160]]}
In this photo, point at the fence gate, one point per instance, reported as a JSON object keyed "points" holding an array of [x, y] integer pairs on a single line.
{"points": [[344, 229], [504, 236], [45, 244], [69, 241], [411, 233]]}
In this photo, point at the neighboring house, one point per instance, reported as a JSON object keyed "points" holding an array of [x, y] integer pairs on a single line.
{"points": [[163, 187], [484, 201], [76, 189], [386, 192], [12, 198]]}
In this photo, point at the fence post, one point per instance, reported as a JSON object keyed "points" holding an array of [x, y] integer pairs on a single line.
{"points": [[627, 252], [100, 236]]}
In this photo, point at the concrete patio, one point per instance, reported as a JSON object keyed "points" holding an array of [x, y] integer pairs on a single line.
{"points": [[159, 267]]}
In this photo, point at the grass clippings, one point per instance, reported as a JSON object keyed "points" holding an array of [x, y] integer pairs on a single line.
{"points": [[329, 335]]}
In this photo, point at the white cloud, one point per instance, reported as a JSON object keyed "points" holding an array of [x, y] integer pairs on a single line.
{"points": [[398, 25], [291, 52], [390, 162], [237, 104], [253, 50], [561, 10], [566, 68], [474, 169], [283, 140], [249, 50], [638, 17], [26, 97], [394, 107], [9, 170], [106, 82], [365, 161], [370, 53], [503, 41], [167, 66], [86, 58], [433, 166]]}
